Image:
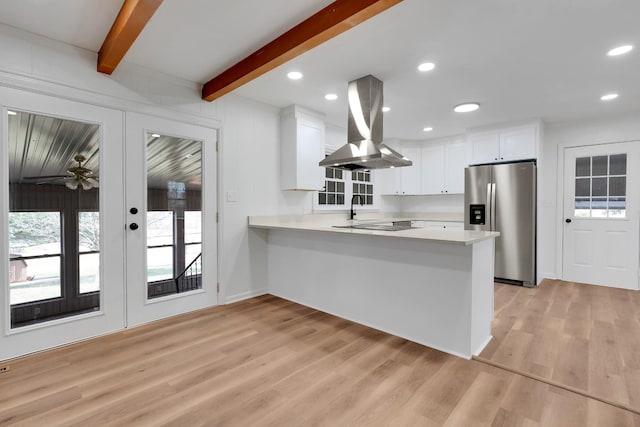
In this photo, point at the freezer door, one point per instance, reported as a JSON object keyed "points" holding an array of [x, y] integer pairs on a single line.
{"points": [[515, 219], [477, 198]]}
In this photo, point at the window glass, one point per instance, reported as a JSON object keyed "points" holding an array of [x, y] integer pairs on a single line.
{"points": [[583, 166], [89, 251], [34, 256], [600, 186], [362, 186], [160, 245], [333, 193], [599, 166]]}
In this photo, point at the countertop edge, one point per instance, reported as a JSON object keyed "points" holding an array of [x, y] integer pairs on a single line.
{"points": [[388, 234]]}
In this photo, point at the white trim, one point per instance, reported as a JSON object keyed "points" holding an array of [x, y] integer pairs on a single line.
{"points": [[99, 99], [246, 295]]}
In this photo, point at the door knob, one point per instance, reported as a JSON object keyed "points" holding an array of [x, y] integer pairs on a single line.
{"points": [[568, 220], [133, 226]]}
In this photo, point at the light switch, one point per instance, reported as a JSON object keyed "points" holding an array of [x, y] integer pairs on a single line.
{"points": [[232, 196]]}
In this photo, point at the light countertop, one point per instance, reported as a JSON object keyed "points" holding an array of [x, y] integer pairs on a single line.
{"points": [[327, 224]]}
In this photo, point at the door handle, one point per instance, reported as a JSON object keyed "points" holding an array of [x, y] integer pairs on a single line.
{"points": [[568, 220], [133, 226], [493, 207]]}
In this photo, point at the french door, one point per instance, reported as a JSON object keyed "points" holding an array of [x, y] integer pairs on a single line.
{"points": [[602, 214], [97, 237], [171, 218]]}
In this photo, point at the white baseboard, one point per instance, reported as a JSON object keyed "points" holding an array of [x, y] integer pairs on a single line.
{"points": [[245, 295], [543, 275]]}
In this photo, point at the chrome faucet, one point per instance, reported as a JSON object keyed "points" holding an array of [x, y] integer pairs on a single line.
{"points": [[352, 214]]}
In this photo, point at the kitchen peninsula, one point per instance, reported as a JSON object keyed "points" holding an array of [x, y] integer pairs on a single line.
{"points": [[431, 286]]}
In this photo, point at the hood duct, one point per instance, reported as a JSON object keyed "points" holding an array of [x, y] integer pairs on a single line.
{"points": [[364, 148]]}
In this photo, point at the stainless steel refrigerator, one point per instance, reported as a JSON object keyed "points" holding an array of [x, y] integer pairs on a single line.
{"points": [[502, 197]]}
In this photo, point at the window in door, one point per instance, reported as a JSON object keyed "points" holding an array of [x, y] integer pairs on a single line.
{"points": [[53, 217], [600, 186], [174, 219]]}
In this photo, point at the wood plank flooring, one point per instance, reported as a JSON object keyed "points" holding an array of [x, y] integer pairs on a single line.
{"points": [[270, 362], [582, 336]]}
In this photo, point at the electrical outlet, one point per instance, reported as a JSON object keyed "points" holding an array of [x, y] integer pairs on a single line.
{"points": [[4, 369]]}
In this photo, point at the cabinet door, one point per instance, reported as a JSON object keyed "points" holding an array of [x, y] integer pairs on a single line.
{"points": [[485, 147], [455, 161], [388, 181], [518, 144], [411, 175], [301, 148], [433, 169], [310, 147]]}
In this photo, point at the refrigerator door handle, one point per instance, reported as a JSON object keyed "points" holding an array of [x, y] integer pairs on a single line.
{"points": [[493, 206], [489, 207]]}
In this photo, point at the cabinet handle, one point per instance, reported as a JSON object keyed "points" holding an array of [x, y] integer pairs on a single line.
{"points": [[495, 158], [501, 158]]}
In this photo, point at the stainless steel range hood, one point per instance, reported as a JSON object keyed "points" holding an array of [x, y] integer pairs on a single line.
{"points": [[364, 148]]}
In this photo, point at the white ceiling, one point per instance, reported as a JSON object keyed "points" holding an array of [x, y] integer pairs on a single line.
{"points": [[520, 59]]}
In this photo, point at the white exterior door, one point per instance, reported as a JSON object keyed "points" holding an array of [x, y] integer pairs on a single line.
{"points": [[74, 265], [601, 214], [170, 219], [62, 241]]}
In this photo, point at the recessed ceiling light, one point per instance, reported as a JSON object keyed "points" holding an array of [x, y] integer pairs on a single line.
{"points": [[294, 75], [155, 135], [609, 96], [426, 66], [620, 50], [331, 97], [385, 109], [466, 107], [427, 129], [11, 113]]}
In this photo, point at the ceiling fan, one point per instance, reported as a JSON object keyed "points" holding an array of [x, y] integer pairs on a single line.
{"points": [[79, 176]]}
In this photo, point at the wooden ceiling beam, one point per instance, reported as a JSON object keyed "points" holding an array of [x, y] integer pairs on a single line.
{"points": [[334, 19], [131, 19]]}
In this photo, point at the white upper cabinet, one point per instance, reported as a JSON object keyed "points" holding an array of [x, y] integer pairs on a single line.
{"points": [[302, 147], [411, 175], [455, 162], [433, 169], [502, 145], [438, 168], [518, 144], [443, 167]]}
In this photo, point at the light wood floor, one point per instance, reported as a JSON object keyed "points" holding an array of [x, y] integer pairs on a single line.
{"points": [[583, 336], [270, 362]]}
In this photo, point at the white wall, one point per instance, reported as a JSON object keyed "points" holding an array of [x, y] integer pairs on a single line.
{"points": [[557, 136], [453, 203], [250, 157], [249, 161]]}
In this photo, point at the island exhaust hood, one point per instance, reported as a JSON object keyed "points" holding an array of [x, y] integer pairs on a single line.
{"points": [[364, 148]]}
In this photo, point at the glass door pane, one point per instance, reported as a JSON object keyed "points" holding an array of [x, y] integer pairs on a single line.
{"points": [[174, 229], [54, 244]]}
